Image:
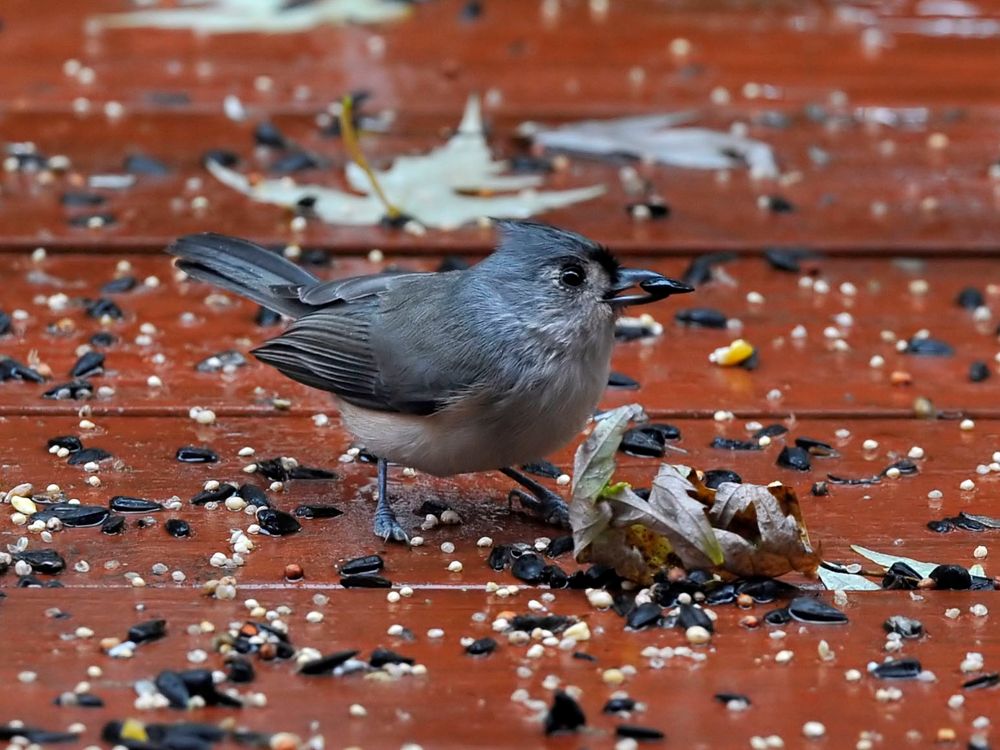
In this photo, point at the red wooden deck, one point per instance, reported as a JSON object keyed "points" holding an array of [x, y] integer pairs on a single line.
{"points": [[902, 217]]}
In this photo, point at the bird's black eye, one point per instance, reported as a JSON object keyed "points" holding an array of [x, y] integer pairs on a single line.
{"points": [[572, 276]]}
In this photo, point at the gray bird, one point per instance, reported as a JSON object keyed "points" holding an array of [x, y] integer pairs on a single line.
{"points": [[449, 372]]}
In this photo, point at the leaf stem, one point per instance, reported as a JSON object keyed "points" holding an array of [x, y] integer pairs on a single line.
{"points": [[353, 147]]}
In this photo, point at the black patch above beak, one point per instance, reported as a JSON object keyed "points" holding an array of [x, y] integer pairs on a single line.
{"points": [[655, 286]]}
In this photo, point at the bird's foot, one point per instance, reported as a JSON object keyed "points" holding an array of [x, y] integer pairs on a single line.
{"points": [[543, 504], [387, 527]]}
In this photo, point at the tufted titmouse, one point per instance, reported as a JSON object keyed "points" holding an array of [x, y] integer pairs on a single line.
{"points": [[452, 372]]}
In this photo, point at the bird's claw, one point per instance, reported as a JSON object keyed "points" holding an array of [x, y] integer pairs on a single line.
{"points": [[388, 528], [546, 506]]}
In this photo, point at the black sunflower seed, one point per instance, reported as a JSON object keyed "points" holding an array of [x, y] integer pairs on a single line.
{"points": [[970, 298], [565, 715], [635, 732], [619, 380], [808, 609], [120, 285], [239, 669], [37, 736], [987, 521], [46, 561], [727, 698], [542, 468], [630, 330], [778, 617], [190, 454], [700, 269], [701, 317], [529, 568], [72, 515], [172, 687], [900, 576], [820, 489], [692, 616], [113, 525], [898, 669], [654, 209], [326, 664], [904, 466], [103, 338], [926, 347], [267, 134], [266, 317], [382, 656], [778, 204], [978, 372], [90, 363], [127, 504], [904, 626], [86, 455], [788, 259], [816, 447], [644, 615], [311, 472], [982, 681], [75, 389], [732, 444], [481, 647], [5, 323], [77, 198], [854, 481], [559, 545], [294, 161], [618, 705], [716, 477], [556, 577], [771, 431], [200, 683], [644, 443], [764, 590], [254, 495], [103, 308], [218, 495], [317, 511], [221, 156], [70, 442], [11, 369], [360, 565], [941, 527], [365, 581], [793, 457], [177, 527], [522, 163], [226, 359], [953, 577], [147, 631], [90, 220], [277, 522], [142, 164]]}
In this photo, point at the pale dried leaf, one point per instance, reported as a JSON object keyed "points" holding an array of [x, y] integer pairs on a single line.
{"points": [[887, 561], [835, 581], [655, 137], [594, 462], [259, 16], [683, 520], [438, 189]]}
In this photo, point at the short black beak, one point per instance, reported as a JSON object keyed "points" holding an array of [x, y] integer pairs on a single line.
{"points": [[657, 287]]}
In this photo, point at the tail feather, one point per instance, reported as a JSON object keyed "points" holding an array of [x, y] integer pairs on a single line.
{"points": [[244, 268]]}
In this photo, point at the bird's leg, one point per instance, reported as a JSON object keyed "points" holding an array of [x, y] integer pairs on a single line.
{"points": [[542, 502], [386, 525]]}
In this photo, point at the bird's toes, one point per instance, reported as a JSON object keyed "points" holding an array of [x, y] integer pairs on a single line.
{"points": [[388, 528]]}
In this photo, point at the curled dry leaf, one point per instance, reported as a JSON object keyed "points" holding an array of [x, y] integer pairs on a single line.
{"points": [[451, 185], [739, 529]]}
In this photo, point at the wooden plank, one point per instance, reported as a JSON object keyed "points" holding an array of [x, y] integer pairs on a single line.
{"points": [[914, 199], [675, 376], [890, 516], [578, 60], [464, 701]]}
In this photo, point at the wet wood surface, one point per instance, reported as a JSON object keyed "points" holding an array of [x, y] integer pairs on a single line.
{"points": [[883, 118]]}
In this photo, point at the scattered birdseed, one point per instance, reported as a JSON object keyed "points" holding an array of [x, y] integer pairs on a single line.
{"points": [[980, 552], [813, 730]]}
